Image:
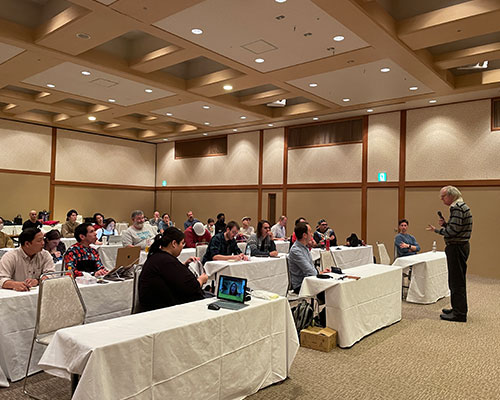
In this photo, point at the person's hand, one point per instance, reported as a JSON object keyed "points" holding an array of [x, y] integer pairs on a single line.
{"points": [[271, 236], [441, 222], [190, 260], [243, 257], [404, 245], [19, 286], [332, 237], [101, 272], [203, 278], [325, 271], [430, 227], [31, 282], [274, 253], [57, 254]]}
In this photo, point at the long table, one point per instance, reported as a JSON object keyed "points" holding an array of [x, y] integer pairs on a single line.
{"points": [[186, 351], [18, 314], [356, 308], [349, 257], [264, 273], [429, 277]]}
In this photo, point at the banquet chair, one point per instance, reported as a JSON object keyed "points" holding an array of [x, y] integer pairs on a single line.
{"points": [[326, 260], [135, 289], [60, 305], [201, 249], [383, 255]]}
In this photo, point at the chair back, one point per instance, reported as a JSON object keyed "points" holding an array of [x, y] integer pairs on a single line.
{"points": [[60, 303], [135, 290], [288, 274], [201, 249], [383, 255], [326, 260]]}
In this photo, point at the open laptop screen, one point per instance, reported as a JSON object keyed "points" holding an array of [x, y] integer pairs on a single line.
{"points": [[232, 288]]}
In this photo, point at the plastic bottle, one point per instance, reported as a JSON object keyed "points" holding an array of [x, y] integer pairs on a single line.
{"points": [[434, 246], [248, 251], [327, 243]]}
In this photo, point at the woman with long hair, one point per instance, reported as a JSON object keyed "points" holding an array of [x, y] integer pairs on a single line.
{"points": [[164, 280], [260, 243]]}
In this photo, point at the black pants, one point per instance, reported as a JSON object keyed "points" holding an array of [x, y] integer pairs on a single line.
{"points": [[456, 257]]}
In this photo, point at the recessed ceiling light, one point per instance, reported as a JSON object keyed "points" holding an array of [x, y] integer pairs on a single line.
{"points": [[92, 118], [196, 31], [385, 69], [169, 114], [227, 87], [206, 107], [165, 140], [338, 38], [270, 125], [86, 73], [206, 123], [414, 88], [205, 134], [369, 110], [235, 130], [259, 60], [82, 35], [111, 100], [148, 90], [432, 101], [280, 1], [51, 85], [315, 118], [346, 100], [313, 84], [243, 117]]}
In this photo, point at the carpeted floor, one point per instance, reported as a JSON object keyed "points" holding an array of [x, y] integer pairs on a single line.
{"points": [[420, 357]]}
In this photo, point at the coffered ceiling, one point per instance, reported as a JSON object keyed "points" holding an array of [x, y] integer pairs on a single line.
{"points": [[165, 69]]}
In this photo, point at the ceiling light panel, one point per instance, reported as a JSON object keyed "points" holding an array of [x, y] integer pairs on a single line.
{"points": [[99, 85], [362, 84], [256, 33], [7, 52], [216, 115]]}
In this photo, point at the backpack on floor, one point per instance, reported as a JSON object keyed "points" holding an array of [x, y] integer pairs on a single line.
{"points": [[302, 315]]}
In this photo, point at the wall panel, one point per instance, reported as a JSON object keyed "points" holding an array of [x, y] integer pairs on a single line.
{"points": [[383, 146], [90, 158], [163, 203], [452, 142], [115, 203], [25, 146], [341, 163], [239, 167], [22, 193], [272, 161], [340, 207], [265, 205]]}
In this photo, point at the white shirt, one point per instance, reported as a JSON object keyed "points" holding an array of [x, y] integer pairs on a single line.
{"points": [[278, 231], [17, 266]]}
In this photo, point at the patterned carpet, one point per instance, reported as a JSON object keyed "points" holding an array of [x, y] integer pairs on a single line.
{"points": [[420, 357]]}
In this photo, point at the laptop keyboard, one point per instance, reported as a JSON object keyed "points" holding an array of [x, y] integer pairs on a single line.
{"points": [[229, 305]]}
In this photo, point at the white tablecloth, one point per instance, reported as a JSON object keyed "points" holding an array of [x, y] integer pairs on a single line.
{"points": [[429, 278], [349, 257], [47, 228], [120, 227], [12, 229], [18, 314], [356, 308], [185, 254], [5, 250], [282, 246], [263, 273], [181, 352], [68, 242]]}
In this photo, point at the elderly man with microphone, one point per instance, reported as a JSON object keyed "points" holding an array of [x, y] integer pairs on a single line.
{"points": [[457, 232]]}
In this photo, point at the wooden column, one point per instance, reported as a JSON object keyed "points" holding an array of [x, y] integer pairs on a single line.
{"points": [[402, 165], [364, 181], [285, 171], [261, 160], [52, 188]]}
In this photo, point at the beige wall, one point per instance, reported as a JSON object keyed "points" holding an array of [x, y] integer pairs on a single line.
{"points": [[272, 158], [22, 193], [383, 146], [163, 201], [382, 218], [340, 163], [452, 142], [82, 157], [340, 207], [115, 203], [25, 147], [265, 204], [238, 167]]}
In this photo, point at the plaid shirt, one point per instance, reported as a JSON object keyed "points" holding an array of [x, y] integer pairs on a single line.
{"points": [[77, 252]]}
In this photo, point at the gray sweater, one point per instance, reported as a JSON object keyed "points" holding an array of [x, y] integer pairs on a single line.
{"points": [[458, 229]]}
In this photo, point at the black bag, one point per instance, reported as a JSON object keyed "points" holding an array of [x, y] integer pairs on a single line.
{"points": [[18, 220], [353, 241], [302, 315]]}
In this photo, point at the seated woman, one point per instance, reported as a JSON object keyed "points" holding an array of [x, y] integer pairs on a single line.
{"points": [[98, 221], [261, 243], [53, 245], [108, 230], [164, 280], [164, 223], [404, 243]]}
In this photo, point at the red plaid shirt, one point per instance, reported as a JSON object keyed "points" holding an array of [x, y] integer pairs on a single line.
{"points": [[78, 252]]}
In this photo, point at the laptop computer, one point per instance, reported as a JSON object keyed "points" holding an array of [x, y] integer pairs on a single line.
{"points": [[231, 292], [126, 258], [114, 239]]}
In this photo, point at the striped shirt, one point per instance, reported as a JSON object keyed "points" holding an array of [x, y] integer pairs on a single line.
{"points": [[458, 229]]}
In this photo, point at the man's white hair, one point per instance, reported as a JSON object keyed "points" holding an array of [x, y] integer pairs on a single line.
{"points": [[453, 192]]}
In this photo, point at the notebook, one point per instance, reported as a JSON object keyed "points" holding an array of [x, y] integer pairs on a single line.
{"points": [[231, 292]]}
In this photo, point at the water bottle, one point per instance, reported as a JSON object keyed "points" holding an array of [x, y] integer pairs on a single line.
{"points": [[248, 251], [434, 246]]}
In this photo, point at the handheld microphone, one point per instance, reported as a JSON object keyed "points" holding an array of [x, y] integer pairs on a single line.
{"points": [[440, 215]]}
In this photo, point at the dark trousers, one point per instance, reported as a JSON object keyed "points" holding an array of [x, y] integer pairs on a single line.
{"points": [[456, 257]]}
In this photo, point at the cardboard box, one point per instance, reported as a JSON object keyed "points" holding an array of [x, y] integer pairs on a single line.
{"points": [[322, 339]]}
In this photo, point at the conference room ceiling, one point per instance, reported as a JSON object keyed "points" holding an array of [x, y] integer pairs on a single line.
{"points": [[153, 70]]}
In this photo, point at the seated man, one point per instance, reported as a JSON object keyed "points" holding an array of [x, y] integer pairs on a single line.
{"points": [[156, 219], [33, 222], [21, 268], [190, 221], [81, 256], [137, 234], [260, 243], [223, 246], [5, 240], [279, 229], [404, 243], [210, 226], [220, 224], [196, 234], [323, 233], [68, 228], [300, 262]]}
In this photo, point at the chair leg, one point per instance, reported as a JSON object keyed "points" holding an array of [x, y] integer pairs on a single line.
{"points": [[25, 381]]}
